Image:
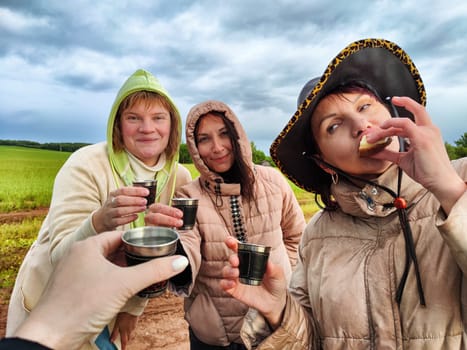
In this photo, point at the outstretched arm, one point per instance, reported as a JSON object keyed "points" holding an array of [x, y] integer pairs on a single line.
{"points": [[93, 289]]}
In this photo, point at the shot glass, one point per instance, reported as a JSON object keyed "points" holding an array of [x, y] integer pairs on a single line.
{"points": [[151, 185], [189, 206], [253, 259], [146, 243]]}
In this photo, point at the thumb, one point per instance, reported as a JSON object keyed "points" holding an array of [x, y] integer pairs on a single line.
{"points": [[154, 271]]}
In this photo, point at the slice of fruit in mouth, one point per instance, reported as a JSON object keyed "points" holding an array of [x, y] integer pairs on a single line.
{"points": [[367, 149]]}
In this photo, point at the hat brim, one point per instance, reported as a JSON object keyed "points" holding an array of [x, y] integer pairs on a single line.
{"points": [[380, 63]]}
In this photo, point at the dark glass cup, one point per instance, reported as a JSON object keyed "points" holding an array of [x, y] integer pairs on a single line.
{"points": [[151, 185], [253, 259], [189, 206], [146, 243]]}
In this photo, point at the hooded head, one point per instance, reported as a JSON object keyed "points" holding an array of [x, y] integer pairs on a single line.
{"points": [[378, 63], [141, 86], [138, 87], [241, 171]]}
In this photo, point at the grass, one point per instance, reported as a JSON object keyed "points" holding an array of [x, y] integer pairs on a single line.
{"points": [[15, 240], [26, 182], [27, 176], [192, 169]]}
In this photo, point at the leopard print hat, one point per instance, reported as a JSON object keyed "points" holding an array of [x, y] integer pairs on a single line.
{"points": [[378, 62]]}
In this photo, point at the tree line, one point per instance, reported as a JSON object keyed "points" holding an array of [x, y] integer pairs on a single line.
{"points": [[456, 151], [53, 146], [460, 148], [258, 156]]}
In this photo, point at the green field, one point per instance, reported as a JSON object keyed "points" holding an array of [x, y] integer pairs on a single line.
{"points": [[26, 182], [26, 177]]}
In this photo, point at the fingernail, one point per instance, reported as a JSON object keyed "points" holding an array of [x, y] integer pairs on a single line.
{"points": [[179, 263]]}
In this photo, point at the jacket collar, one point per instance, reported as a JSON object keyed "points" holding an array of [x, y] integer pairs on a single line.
{"points": [[367, 200]]}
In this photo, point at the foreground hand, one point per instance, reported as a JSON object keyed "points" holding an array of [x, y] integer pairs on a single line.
{"points": [[121, 208], [86, 291], [163, 215], [426, 160], [124, 326], [269, 298]]}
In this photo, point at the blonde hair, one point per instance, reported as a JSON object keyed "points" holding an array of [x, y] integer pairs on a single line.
{"points": [[149, 98]]}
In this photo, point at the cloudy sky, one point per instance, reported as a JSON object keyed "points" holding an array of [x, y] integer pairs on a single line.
{"points": [[62, 62]]}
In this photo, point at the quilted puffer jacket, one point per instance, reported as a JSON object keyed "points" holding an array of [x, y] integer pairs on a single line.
{"points": [[343, 291], [276, 220]]}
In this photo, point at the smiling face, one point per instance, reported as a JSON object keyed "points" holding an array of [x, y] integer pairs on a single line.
{"points": [[214, 144], [145, 129], [337, 125]]}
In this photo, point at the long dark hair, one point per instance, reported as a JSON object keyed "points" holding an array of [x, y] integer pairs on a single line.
{"points": [[240, 172]]}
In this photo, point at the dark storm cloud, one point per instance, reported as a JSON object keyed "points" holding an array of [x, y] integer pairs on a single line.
{"points": [[254, 55]]}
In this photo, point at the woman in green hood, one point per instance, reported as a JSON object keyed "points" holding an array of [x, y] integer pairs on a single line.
{"points": [[93, 193]]}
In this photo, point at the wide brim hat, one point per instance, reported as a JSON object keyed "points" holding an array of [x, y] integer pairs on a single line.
{"points": [[380, 63]]}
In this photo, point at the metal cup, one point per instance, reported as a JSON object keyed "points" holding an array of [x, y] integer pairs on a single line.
{"points": [[253, 259], [189, 206], [149, 242], [151, 185]]}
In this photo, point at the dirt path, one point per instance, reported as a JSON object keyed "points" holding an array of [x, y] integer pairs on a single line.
{"points": [[160, 327]]}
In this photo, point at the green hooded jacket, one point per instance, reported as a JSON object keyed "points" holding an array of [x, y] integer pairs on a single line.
{"points": [[139, 81]]}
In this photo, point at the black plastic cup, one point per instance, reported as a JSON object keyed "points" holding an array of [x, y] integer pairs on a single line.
{"points": [[189, 206], [146, 243], [253, 259], [151, 185]]}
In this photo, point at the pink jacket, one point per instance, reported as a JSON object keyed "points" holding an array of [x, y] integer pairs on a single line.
{"points": [[276, 219]]}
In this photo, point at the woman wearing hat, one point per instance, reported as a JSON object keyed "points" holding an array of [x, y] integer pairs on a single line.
{"points": [[382, 265]]}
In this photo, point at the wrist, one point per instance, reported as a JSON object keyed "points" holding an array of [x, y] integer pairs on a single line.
{"points": [[450, 194], [97, 222], [275, 317]]}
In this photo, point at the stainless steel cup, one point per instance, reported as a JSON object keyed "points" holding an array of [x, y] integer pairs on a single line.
{"points": [[189, 206], [149, 242], [253, 259], [151, 185]]}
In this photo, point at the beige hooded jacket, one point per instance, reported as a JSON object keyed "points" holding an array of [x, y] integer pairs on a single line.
{"points": [[343, 291], [81, 187], [276, 219]]}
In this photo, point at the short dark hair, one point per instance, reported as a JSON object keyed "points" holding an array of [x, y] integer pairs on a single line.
{"points": [[321, 179]]}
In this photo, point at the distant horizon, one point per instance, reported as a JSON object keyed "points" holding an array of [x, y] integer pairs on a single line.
{"points": [[183, 141]]}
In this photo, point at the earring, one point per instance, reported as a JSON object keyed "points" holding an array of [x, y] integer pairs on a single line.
{"points": [[335, 178]]}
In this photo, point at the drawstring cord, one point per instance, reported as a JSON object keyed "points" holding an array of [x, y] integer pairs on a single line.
{"points": [[410, 254], [237, 222], [401, 205]]}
